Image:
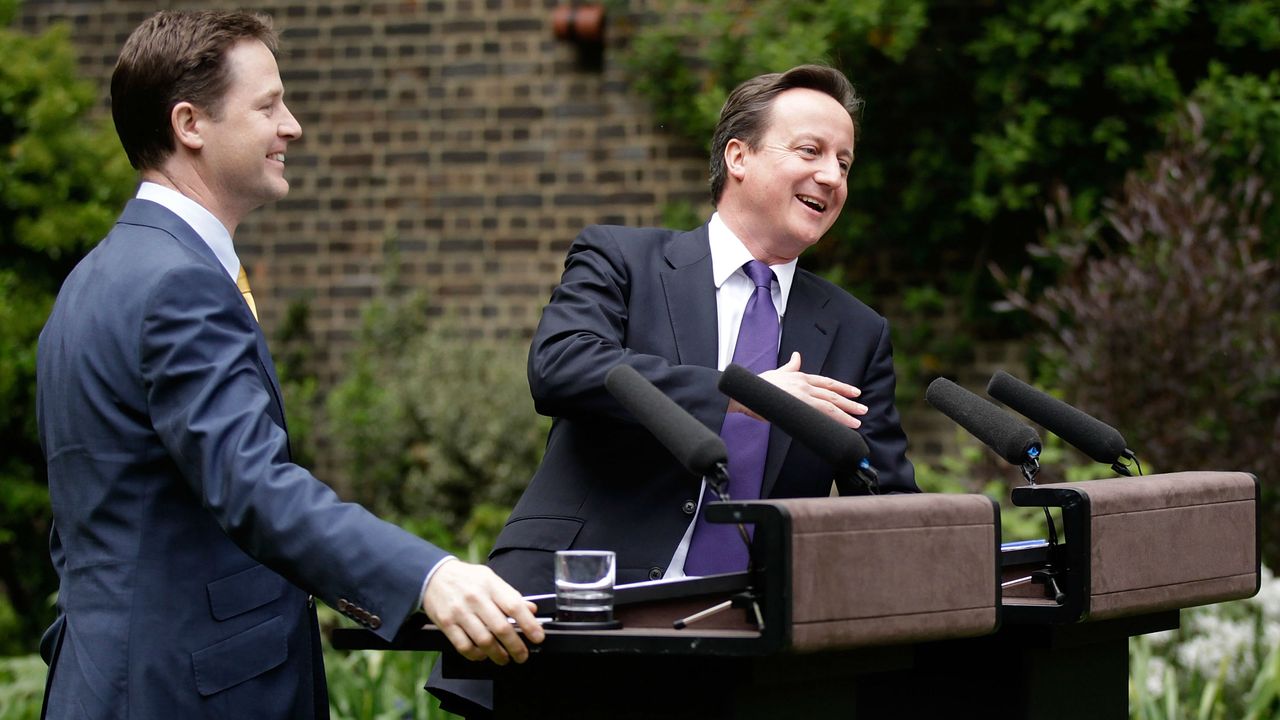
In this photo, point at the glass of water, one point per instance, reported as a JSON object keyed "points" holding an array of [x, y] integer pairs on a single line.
{"points": [[584, 588]]}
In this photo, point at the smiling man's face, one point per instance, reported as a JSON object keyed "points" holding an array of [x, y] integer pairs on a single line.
{"points": [[790, 189], [242, 159]]}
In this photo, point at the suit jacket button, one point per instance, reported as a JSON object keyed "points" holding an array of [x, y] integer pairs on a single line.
{"points": [[375, 622], [688, 507], [343, 605], [655, 573]]}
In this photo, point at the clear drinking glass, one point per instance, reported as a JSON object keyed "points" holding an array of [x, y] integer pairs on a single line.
{"points": [[584, 586]]}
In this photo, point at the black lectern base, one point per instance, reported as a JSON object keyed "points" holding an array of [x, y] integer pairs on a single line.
{"points": [[1036, 672]]}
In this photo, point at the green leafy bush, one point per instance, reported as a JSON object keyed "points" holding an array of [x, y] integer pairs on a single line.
{"points": [[21, 687], [63, 179], [436, 424], [975, 112], [1165, 320], [380, 685]]}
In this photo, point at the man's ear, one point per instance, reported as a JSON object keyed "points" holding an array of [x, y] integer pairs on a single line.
{"points": [[735, 158], [186, 121]]}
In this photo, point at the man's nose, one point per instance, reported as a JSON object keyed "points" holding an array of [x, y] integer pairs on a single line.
{"points": [[289, 127], [829, 171]]}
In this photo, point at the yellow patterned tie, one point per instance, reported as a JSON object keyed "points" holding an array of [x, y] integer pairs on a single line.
{"points": [[242, 282]]}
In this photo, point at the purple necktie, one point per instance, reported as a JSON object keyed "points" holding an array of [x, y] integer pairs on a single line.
{"points": [[718, 547]]}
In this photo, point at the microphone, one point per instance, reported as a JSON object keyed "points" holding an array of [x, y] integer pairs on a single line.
{"points": [[840, 446], [1010, 439], [697, 448], [1094, 438]]}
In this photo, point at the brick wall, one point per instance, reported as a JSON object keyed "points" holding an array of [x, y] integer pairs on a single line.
{"points": [[454, 145], [456, 140]]}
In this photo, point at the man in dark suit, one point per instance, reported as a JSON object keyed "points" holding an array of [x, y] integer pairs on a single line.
{"points": [[670, 304], [186, 541]]}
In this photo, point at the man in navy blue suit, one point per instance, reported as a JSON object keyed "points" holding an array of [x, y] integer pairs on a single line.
{"points": [[670, 304], [187, 543]]}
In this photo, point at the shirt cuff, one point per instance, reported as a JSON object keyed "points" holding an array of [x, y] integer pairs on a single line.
{"points": [[422, 596]]}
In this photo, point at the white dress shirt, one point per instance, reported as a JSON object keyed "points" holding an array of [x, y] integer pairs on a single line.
{"points": [[208, 227]]}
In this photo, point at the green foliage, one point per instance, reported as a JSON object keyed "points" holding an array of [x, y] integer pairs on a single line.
{"points": [[63, 178], [380, 685], [376, 684], [1243, 113], [292, 351], [434, 422], [927, 340], [975, 469], [21, 687], [681, 216], [1166, 318], [1223, 662], [976, 111]]}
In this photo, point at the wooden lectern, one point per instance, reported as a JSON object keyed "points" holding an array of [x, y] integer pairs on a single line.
{"points": [[892, 607]]}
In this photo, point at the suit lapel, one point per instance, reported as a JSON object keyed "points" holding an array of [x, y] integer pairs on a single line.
{"points": [[691, 297], [151, 214], [809, 329]]}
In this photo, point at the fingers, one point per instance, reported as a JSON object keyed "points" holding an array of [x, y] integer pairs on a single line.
{"points": [[839, 407], [460, 641], [827, 395], [489, 629], [471, 605], [523, 613], [832, 385], [839, 413], [510, 606]]}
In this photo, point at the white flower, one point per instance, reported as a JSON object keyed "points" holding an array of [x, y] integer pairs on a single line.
{"points": [[1218, 641], [1161, 638], [1268, 597], [1156, 668]]}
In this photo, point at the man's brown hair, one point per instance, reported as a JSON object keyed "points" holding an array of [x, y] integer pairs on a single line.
{"points": [[175, 57], [745, 114]]}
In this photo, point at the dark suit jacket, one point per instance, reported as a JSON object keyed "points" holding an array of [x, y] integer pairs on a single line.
{"points": [[646, 297], [185, 540]]}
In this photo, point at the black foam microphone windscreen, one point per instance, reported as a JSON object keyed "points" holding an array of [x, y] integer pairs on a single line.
{"points": [[696, 447], [1093, 437], [842, 447], [1009, 438]]}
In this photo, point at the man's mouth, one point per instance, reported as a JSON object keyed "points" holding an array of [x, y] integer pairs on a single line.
{"points": [[279, 157], [813, 203]]}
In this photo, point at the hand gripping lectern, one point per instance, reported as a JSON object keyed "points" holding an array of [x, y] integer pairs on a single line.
{"points": [[892, 607]]}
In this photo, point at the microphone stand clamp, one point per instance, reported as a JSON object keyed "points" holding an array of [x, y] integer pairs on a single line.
{"points": [[1031, 466], [869, 477], [718, 480], [1121, 468]]}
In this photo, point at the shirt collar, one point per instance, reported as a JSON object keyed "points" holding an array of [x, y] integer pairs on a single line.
{"points": [[728, 255], [208, 227]]}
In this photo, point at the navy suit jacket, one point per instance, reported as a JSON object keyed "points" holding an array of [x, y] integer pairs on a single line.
{"points": [[646, 297], [185, 540]]}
